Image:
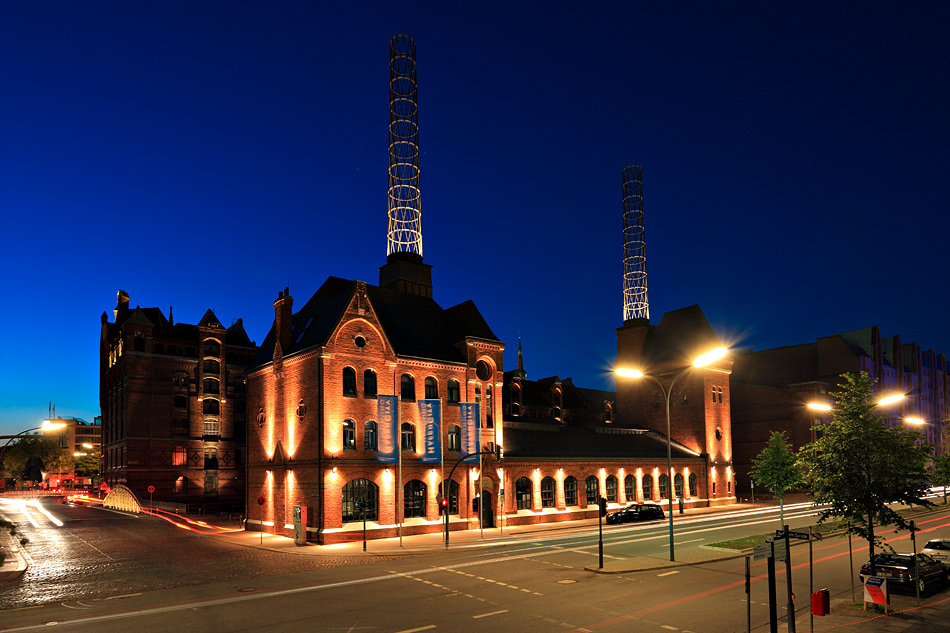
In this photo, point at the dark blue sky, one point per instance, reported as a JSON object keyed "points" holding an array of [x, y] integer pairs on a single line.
{"points": [[208, 154]]}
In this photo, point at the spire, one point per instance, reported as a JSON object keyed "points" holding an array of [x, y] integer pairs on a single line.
{"points": [[171, 319], [635, 304], [520, 372]]}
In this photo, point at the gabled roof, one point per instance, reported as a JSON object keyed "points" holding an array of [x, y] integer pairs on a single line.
{"points": [[415, 326], [209, 320]]}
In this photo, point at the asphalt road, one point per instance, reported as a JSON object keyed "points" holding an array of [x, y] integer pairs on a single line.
{"points": [[164, 578]]}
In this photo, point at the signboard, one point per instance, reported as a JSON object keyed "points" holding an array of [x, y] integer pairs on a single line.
{"points": [[260, 501], [765, 550], [875, 590], [762, 551], [430, 416], [799, 535], [387, 414], [151, 489]]}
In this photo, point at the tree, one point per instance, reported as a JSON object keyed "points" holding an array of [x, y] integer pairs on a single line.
{"points": [[777, 469], [18, 455], [858, 466], [940, 473], [87, 465]]}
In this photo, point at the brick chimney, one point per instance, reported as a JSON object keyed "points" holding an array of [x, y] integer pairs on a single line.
{"points": [[283, 314]]}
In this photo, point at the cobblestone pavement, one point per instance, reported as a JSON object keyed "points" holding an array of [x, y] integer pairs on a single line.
{"points": [[98, 554]]}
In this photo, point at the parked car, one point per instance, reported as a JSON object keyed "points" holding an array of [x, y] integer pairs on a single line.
{"points": [[938, 549], [636, 512], [899, 570]]}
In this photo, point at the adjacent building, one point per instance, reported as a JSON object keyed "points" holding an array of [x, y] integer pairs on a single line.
{"points": [[78, 438], [173, 403]]}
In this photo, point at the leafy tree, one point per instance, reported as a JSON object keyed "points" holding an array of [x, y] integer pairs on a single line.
{"points": [[858, 467], [777, 469], [87, 465], [18, 455], [940, 473]]}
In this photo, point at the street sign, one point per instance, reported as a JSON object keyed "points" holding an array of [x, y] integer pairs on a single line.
{"points": [[151, 489], [761, 551], [799, 535], [765, 550], [260, 501]]}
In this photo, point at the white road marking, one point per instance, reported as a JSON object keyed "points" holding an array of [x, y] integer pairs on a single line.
{"points": [[669, 573], [421, 628], [485, 615]]}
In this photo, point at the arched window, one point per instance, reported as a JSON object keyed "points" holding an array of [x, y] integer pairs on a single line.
{"points": [[611, 485], [678, 484], [592, 487], [349, 435], [570, 491], [515, 409], [453, 497], [664, 486], [210, 407], [489, 411], [212, 347], [432, 388], [369, 383], [630, 488], [548, 498], [211, 367], [360, 499], [608, 412], [349, 381], [523, 493], [301, 410], [452, 391], [181, 485], [647, 488], [211, 385], [414, 500], [369, 435], [408, 435], [407, 387], [693, 485], [515, 394], [455, 437]]}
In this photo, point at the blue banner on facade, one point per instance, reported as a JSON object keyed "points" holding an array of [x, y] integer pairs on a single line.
{"points": [[468, 419], [431, 420], [387, 441]]}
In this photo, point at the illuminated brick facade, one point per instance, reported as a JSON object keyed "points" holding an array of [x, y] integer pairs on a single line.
{"points": [[173, 406]]}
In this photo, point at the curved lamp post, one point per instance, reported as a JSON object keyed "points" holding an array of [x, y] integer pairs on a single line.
{"points": [[623, 372], [47, 426]]}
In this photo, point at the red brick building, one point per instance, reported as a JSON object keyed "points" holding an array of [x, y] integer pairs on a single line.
{"points": [[173, 404]]}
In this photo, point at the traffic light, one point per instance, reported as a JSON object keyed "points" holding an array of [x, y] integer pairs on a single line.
{"points": [[603, 506]]}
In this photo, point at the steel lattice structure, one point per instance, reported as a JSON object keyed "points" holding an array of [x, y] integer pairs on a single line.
{"points": [[405, 211], [635, 303]]}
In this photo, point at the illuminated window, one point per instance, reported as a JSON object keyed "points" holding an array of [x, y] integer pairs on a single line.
{"points": [[414, 499], [407, 387], [547, 492], [211, 427], [664, 486], [349, 435], [432, 388], [180, 456], [369, 383], [570, 491], [408, 435], [360, 499], [369, 435], [678, 484], [592, 487], [630, 488], [453, 392], [693, 485], [349, 381], [611, 485], [181, 486], [647, 487], [455, 437], [489, 415], [523, 493]]}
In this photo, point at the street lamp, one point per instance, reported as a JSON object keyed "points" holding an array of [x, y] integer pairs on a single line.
{"points": [[623, 372], [47, 426]]}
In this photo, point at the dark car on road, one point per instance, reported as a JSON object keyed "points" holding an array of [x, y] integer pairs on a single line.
{"points": [[636, 512], [899, 571]]}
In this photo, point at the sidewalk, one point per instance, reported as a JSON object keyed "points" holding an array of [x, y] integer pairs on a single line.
{"points": [[16, 561]]}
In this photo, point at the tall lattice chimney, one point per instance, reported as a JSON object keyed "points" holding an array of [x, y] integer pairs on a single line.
{"points": [[404, 269], [635, 303]]}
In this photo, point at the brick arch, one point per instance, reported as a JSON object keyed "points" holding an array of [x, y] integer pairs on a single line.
{"points": [[377, 332]]}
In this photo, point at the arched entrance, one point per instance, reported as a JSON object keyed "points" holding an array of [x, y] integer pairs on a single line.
{"points": [[487, 509]]}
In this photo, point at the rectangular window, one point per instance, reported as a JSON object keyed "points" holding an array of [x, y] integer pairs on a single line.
{"points": [[180, 456], [211, 427]]}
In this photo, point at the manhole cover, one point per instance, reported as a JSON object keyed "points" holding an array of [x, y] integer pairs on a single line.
{"points": [[566, 582]]}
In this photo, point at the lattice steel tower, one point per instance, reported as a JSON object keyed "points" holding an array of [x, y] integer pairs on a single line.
{"points": [[405, 211], [635, 304]]}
